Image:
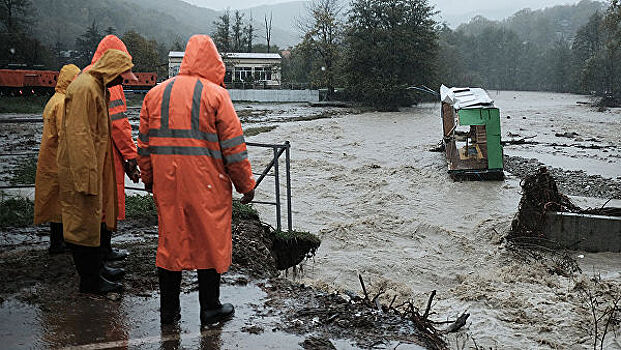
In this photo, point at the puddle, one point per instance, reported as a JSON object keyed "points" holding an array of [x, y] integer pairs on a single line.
{"points": [[133, 322]]}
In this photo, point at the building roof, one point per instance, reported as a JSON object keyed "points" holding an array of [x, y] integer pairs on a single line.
{"points": [[466, 98], [239, 55]]}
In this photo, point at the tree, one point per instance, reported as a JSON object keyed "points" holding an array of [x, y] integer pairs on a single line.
{"points": [[178, 44], [17, 45], [268, 31], [597, 51], [16, 15], [110, 30], [296, 65], [323, 34], [249, 34], [145, 53], [390, 45], [87, 44], [238, 32], [222, 36]]}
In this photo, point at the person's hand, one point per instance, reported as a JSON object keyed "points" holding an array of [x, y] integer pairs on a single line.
{"points": [[149, 187], [131, 169], [248, 197]]}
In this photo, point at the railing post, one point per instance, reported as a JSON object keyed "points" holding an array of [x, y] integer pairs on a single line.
{"points": [[277, 189], [288, 170]]}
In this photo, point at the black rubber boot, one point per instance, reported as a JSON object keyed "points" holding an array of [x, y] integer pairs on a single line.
{"points": [[212, 311], [89, 264], [170, 288], [112, 273], [57, 243], [106, 246]]}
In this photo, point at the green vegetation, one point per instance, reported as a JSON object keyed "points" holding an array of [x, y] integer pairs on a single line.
{"points": [[243, 211], [140, 207], [296, 235], [23, 104], [25, 172], [383, 48], [134, 99], [290, 248], [386, 54], [15, 211], [259, 130], [571, 48]]}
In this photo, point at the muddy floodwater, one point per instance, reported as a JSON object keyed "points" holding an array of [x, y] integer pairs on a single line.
{"points": [[385, 208]]}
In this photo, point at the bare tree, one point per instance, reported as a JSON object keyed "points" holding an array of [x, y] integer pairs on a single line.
{"points": [[249, 34], [268, 31], [238, 28]]}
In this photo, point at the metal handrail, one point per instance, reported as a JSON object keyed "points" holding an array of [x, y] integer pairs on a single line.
{"points": [[278, 150]]}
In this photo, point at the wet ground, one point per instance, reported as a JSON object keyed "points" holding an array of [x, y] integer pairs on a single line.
{"points": [[41, 309], [385, 208]]}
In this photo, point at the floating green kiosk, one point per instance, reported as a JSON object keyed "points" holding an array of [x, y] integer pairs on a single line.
{"points": [[471, 124]]}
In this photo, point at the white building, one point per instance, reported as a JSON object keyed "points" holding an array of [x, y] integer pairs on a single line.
{"points": [[241, 67]]}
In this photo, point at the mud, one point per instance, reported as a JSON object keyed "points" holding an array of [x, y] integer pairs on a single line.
{"points": [[37, 287], [570, 182]]}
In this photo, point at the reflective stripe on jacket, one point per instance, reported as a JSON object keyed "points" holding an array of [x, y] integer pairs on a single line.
{"points": [[191, 147]]}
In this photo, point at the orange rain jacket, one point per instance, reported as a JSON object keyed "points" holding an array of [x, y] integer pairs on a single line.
{"points": [[47, 206], [85, 160], [124, 146], [191, 146]]}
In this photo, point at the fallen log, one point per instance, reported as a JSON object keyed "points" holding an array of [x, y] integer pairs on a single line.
{"points": [[459, 322]]}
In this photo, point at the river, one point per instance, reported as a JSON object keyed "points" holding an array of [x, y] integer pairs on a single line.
{"points": [[385, 208]]}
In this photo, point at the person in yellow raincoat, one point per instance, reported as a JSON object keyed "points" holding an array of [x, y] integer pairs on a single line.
{"points": [[191, 150], [123, 146], [86, 169], [47, 206]]}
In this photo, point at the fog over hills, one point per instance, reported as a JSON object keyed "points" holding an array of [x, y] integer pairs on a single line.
{"points": [[454, 12], [168, 20]]}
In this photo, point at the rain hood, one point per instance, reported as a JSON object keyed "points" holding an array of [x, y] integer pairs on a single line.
{"points": [[202, 58]]}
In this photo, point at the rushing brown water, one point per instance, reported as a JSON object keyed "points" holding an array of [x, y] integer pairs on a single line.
{"points": [[385, 208]]}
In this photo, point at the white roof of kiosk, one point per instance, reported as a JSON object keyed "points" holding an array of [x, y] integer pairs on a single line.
{"points": [[466, 98]]}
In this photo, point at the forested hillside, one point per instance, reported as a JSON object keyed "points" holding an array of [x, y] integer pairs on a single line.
{"points": [[540, 27], [531, 50], [62, 21]]}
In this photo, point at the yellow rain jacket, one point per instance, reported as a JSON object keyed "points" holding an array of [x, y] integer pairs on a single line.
{"points": [[85, 158], [46, 206]]}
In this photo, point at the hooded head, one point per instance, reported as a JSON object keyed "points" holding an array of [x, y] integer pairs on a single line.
{"points": [[107, 43], [202, 58], [66, 76], [110, 65]]}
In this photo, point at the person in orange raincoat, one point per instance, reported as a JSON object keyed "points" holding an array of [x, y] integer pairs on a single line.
{"points": [[47, 206], [124, 148], [191, 146], [86, 169]]}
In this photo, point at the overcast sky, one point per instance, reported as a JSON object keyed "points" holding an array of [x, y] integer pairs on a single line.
{"points": [[451, 9]]}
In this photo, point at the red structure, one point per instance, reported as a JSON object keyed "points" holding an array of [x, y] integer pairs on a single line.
{"points": [[19, 82]]}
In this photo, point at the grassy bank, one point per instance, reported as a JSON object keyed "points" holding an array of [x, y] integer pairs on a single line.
{"points": [[25, 172], [15, 211], [23, 104]]}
